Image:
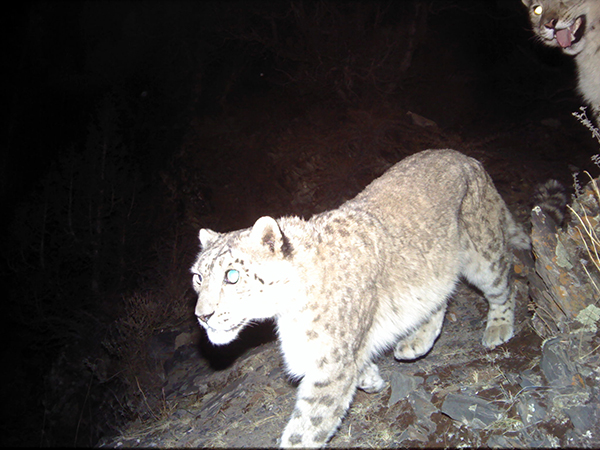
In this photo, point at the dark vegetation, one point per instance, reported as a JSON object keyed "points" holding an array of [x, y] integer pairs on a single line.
{"points": [[132, 124]]}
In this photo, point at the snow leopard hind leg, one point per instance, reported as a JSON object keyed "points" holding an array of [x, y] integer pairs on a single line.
{"points": [[494, 279], [487, 235]]}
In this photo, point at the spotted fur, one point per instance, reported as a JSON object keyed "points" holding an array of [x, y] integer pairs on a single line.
{"points": [[551, 197], [375, 273]]}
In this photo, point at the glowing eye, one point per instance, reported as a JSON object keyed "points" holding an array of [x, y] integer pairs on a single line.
{"points": [[232, 276], [197, 278], [537, 10]]}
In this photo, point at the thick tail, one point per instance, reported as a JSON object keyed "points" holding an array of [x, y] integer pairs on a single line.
{"points": [[552, 198]]}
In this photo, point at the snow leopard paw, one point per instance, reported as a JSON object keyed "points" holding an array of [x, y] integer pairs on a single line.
{"points": [[495, 335], [409, 349], [370, 381]]}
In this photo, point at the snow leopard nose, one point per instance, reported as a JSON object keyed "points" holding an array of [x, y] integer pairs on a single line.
{"points": [[551, 24], [204, 317]]}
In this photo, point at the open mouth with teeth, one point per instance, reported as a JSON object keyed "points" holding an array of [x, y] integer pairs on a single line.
{"points": [[566, 37]]}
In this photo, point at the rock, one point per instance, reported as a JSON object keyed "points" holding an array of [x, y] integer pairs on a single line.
{"points": [[536, 438], [402, 385], [412, 433], [472, 411], [556, 364], [502, 441], [526, 379], [530, 410], [584, 418], [423, 408], [421, 121]]}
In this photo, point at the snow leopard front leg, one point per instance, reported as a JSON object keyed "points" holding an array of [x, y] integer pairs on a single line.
{"points": [[321, 404], [369, 380], [421, 340]]}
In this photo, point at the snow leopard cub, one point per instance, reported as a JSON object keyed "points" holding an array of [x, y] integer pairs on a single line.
{"points": [[349, 283]]}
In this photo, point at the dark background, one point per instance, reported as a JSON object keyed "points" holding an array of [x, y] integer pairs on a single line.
{"points": [[101, 95]]}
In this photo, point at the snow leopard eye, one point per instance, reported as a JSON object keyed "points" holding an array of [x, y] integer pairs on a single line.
{"points": [[197, 279], [537, 10], [232, 276]]}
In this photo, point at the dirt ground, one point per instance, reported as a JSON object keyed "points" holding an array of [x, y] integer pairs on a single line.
{"points": [[526, 393], [458, 395]]}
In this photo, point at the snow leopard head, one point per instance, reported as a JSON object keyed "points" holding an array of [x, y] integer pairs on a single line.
{"points": [[241, 277], [564, 24]]}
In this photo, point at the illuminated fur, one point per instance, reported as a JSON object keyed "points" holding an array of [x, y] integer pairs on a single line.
{"points": [[349, 283]]}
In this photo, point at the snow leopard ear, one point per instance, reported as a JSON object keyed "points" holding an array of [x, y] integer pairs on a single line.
{"points": [[207, 236], [266, 232]]}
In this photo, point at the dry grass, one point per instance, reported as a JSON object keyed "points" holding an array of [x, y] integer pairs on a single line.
{"points": [[588, 229], [586, 209], [145, 313]]}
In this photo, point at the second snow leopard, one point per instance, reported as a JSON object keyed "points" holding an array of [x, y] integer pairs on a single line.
{"points": [[376, 272], [573, 26]]}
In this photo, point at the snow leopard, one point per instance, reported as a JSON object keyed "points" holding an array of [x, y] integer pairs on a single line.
{"points": [[375, 273], [573, 26]]}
